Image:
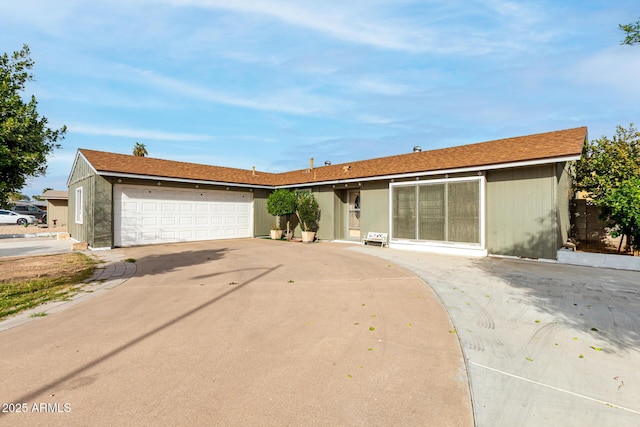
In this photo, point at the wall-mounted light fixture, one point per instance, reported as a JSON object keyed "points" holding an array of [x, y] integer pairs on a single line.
{"points": [[159, 183], [119, 181]]}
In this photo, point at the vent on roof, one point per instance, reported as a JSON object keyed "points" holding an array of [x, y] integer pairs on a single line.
{"points": [[327, 162], [417, 149]]}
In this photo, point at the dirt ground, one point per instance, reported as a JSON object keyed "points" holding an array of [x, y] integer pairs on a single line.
{"points": [[31, 229], [25, 268]]}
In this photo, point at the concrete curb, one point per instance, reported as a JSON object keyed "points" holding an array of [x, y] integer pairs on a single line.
{"points": [[587, 259], [105, 278]]}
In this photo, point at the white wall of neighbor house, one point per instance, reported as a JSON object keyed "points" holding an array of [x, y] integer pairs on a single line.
{"points": [[57, 213]]}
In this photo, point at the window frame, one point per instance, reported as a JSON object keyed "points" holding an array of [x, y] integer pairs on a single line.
{"points": [[79, 205], [480, 179]]}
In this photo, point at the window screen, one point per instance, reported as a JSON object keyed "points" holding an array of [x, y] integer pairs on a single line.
{"points": [[440, 211]]}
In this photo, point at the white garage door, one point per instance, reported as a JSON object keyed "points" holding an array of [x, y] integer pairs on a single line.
{"points": [[146, 215]]}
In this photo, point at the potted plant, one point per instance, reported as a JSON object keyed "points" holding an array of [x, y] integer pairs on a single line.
{"points": [[275, 232], [308, 213], [281, 202]]}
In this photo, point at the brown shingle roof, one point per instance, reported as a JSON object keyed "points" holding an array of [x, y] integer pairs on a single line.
{"points": [[148, 166], [563, 143]]}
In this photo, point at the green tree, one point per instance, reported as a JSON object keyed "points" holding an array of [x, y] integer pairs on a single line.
{"points": [[633, 33], [606, 170], [25, 139], [139, 150], [622, 206], [282, 202]]}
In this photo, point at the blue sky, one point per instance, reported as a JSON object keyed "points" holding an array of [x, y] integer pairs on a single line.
{"points": [[272, 83]]}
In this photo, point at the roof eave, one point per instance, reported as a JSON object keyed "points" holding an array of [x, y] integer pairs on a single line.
{"points": [[479, 168], [186, 180]]}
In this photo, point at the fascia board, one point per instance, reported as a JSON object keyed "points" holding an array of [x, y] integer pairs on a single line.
{"points": [[190, 181]]}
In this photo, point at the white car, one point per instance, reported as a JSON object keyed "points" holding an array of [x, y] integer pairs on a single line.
{"points": [[9, 217]]}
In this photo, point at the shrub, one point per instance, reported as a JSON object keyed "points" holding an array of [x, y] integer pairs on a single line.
{"points": [[307, 210]]}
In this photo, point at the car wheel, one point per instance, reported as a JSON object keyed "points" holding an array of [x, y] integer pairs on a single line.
{"points": [[22, 221]]}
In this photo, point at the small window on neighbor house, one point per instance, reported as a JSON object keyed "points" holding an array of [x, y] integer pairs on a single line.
{"points": [[79, 204]]}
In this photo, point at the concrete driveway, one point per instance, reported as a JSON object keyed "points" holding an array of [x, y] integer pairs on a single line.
{"points": [[545, 344], [243, 332]]}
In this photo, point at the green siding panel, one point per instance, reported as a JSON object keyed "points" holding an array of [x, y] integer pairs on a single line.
{"points": [[374, 207], [81, 176], [102, 213], [564, 196], [340, 214], [262, 221], [521, 212], [326, 200]]}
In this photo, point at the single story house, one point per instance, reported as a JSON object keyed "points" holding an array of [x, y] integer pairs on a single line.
{"points": [[505, 197], [57, 207]]}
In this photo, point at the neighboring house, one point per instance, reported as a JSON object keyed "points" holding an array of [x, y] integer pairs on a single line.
{"points": [[505, 197], [57, 207]]}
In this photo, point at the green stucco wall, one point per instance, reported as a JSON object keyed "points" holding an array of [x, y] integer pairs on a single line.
{"points": [[521, 212]]}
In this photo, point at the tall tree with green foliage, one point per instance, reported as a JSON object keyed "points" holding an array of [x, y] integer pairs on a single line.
{"points": [[140, 150], [25, 139], [608, 171], [633, 33]]}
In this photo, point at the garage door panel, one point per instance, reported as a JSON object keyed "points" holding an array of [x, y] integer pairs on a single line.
{"points": [[186, 220], [168, 220], [149, 221], [130, 206], [149, 236], [145, 215]]}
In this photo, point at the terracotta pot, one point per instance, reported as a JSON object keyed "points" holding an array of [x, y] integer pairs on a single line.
{"points": [[308, 236], [276, 234]]}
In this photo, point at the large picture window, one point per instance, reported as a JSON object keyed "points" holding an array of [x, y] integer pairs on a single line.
{"points": [[441, 211]]}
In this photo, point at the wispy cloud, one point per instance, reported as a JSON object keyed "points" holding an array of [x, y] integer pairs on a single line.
{"points": [[291, 100], [334, 20], [88, 129], [381, 87]]}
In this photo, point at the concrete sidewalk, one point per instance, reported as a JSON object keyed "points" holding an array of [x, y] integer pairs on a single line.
{"points": [[28, 246], [545, 344], [243, 332]]}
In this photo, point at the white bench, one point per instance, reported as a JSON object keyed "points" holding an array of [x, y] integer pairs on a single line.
{"points": [[372, 236]]}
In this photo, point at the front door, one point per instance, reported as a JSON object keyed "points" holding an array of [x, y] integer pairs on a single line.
{"points": [[353, 214]]}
